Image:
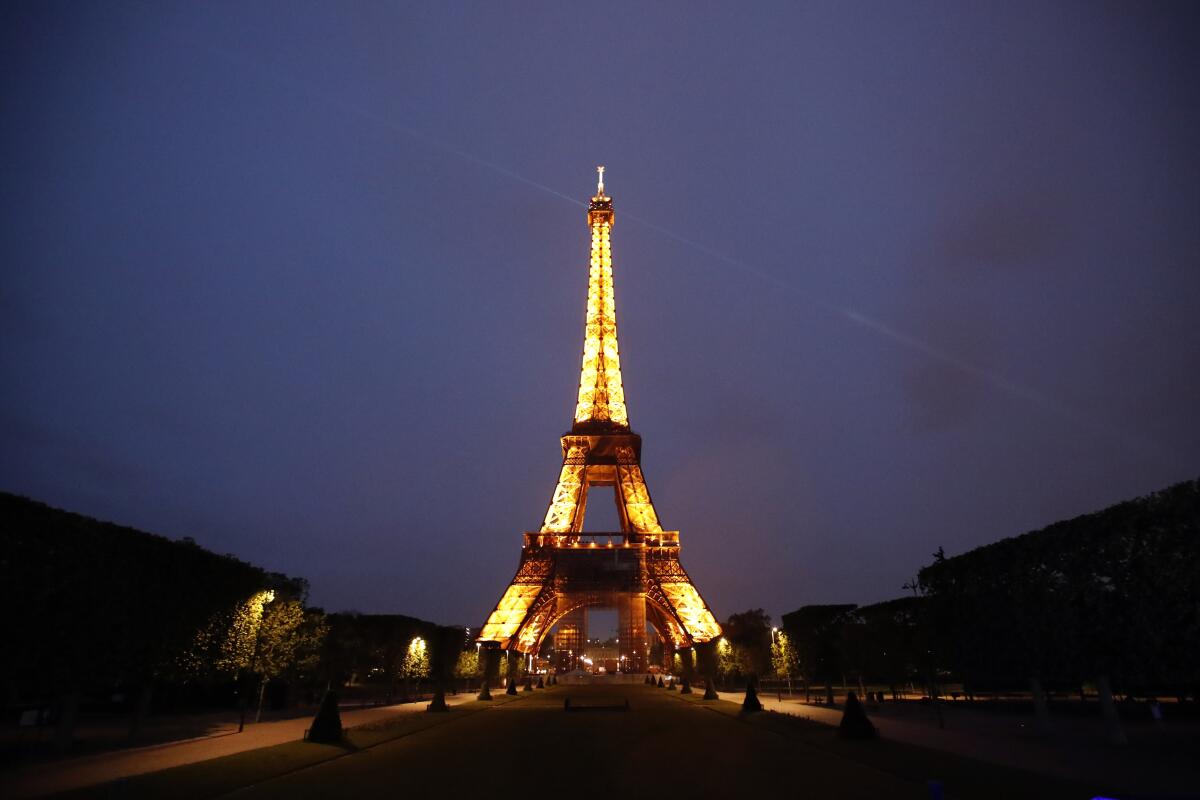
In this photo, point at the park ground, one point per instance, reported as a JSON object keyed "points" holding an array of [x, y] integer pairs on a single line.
{"points": [[663, 743]]}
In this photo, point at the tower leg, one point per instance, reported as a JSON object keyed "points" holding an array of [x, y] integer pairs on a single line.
{"points": [[631, 623], [512, 665], [490, 656], [685, 657], [706, 657]]}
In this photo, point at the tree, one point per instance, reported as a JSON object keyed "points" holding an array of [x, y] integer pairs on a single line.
{"points": [[415, 664], [784, 659], [289, 641], [261, 638], [467, 665], [727, 660], [371, 649], [892, 641], [229, 643], [814, 631], [749, 633]]}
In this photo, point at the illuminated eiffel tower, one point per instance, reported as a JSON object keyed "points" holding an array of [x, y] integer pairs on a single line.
{"points": [[563, 571]]}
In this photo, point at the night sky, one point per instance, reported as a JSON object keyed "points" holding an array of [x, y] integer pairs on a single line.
{"points": [[306, 281]]}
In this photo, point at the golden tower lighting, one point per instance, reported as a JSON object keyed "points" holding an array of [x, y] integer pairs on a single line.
{"points": [[564, 571]]}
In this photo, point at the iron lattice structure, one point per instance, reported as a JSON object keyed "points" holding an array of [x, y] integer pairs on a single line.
{"points": [[564, 571]]}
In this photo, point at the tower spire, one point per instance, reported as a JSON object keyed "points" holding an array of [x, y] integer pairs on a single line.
{"points": [[601, 403]]}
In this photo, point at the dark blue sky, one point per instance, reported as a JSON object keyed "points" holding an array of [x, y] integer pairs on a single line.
{"points": [[306, 281]]}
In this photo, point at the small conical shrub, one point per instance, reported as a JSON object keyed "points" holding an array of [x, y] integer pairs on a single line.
{"points": [[439, 701], [327, 725], [484, 692], [854, 724], [660, 683], [512, 686], [541, 684], [686, 688], [751, 703], [528, 684], [710, 693]]}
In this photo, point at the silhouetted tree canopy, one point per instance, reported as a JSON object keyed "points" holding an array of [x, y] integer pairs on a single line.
{"points": [[750, 635], [814, 631], [93, 605], [1115, 592]]}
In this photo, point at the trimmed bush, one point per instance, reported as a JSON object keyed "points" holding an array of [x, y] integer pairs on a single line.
{"points": [[854, 724], [327, 725]]}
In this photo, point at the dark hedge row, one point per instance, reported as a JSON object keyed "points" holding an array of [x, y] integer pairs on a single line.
{"points": [[91, 606], [1113, 593]]}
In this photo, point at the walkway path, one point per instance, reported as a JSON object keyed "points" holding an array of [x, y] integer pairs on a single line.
{"points": [[1076, 749], [73, 773], [661, 746]]}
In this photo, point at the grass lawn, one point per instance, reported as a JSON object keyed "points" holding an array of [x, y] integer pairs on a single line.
{"points": [[961, 777], [220, 776], [665, 745]]}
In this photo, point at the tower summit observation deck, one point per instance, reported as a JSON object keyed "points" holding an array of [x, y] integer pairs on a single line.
{"points": [[564, 571]]}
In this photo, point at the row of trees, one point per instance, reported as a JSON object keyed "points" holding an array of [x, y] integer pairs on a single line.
{"points": [[884, 643], [823, 645], [1109, 599], [98, 611]]}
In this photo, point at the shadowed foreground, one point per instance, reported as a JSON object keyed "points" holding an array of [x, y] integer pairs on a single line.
{"points": [[665, 743]]}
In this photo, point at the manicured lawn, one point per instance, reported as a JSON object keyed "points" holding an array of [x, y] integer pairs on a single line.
{"points": [[223, 775], [666, 745], [961, 777]]}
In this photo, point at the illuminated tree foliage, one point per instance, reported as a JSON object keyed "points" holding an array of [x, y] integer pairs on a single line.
{"points": [[415, 664], [784, 659], [289, 640], [728, 663], [227, 643], [368, 650], [749, 634], [467, 664]]}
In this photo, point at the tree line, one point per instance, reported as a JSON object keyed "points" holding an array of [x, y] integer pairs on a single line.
{"points": [[99, 614], [1110, 600]]}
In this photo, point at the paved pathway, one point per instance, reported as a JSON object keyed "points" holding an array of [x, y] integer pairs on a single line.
{"points": [[662, 746], [1075, 749], [62, 775]]}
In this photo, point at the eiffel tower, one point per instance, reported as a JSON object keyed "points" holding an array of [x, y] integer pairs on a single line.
{"points": [[564, 571]]}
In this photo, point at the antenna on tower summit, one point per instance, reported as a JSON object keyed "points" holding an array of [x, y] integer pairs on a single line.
{"points": [[600, 181]]}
